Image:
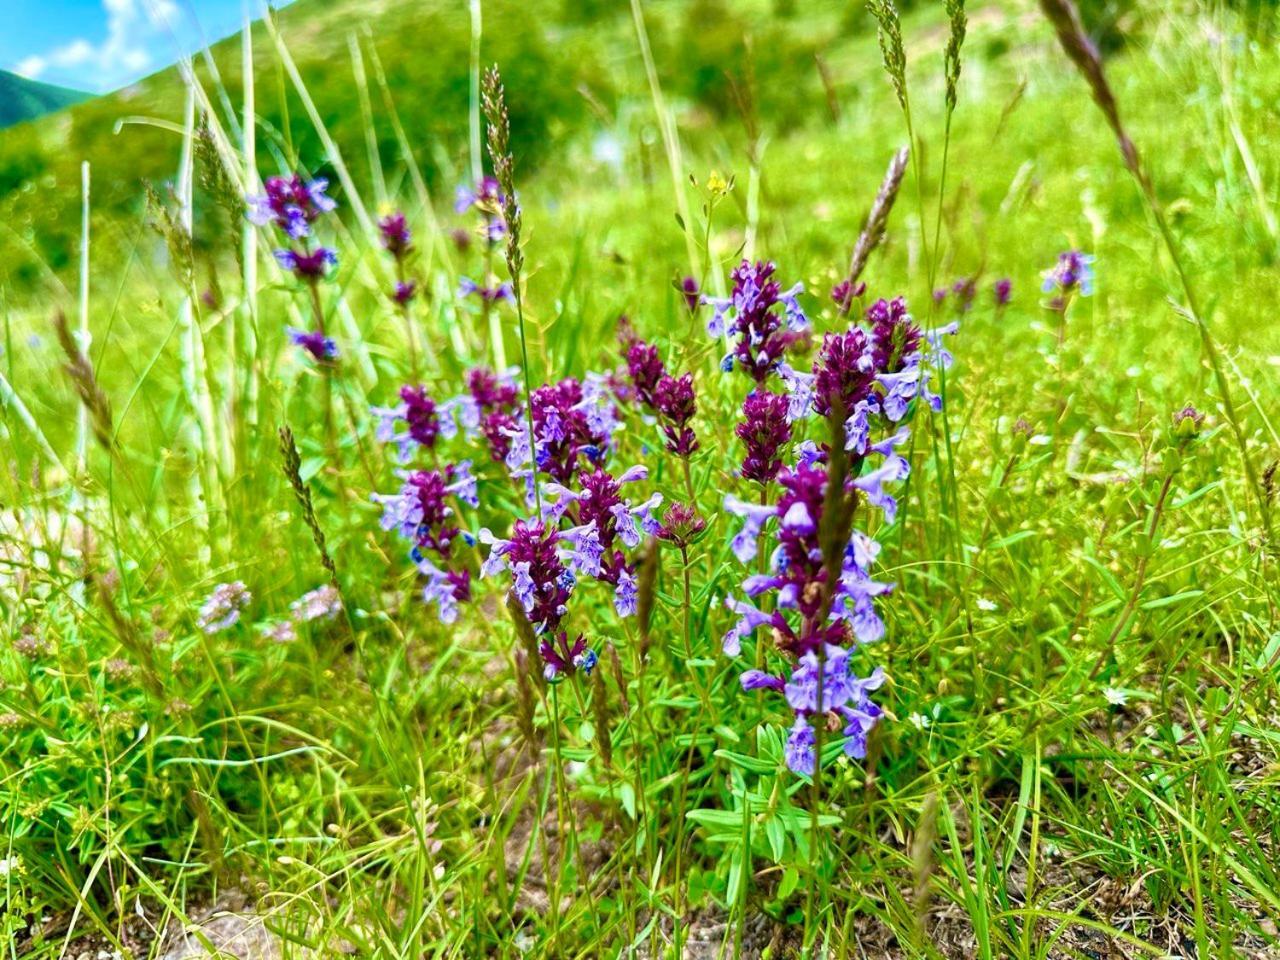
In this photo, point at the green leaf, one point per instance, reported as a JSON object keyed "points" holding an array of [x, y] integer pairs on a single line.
{"points": [[627, 794], [777, 835], [787, 885], [716, 818], [310, 467], [1169, 601], [748, 763]]}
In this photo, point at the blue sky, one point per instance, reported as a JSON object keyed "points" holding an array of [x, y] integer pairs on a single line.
{"points": [[101, 45]]}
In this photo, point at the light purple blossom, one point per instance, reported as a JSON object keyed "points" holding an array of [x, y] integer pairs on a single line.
{"points": [[754, 517], [749, 618], [322, 603], [223, 607], [625, 596]]}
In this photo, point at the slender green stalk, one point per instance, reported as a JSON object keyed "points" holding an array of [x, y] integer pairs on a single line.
{"points": [[670, 137]]}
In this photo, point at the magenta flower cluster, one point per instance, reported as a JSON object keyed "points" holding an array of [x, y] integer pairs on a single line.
{"points": [[672, 400]]}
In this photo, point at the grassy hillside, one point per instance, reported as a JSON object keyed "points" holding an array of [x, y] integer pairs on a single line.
{"points": [[22, 99], [565, 63]]}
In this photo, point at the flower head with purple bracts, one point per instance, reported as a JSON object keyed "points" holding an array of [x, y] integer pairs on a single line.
{"points": [[488, 407], [403, 292], [420, 512], [896, 338], [676, 403], [418, 413], [489, 294], [817, 617], [645, 369], [689, 290], [542, 584], [397, 238], [819, 570], [290, 204], [321, 348], [765, 430], [1071, 275], [681, 525], [493, 391], [750, 314], [844, 372], [571, 420], [444, 588], [844, 293], [540, 581], [307, 265], [1002, 292], [221, 610]]}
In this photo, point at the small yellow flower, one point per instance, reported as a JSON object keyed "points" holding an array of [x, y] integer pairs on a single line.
{"points": [[717, 185]]}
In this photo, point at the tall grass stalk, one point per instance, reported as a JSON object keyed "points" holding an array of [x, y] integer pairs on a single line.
{"points": [[670, 138], [361, 79], [83, 336], [250, 183], [12, 403], [474, 138], [1083, 54], [194, 369]]}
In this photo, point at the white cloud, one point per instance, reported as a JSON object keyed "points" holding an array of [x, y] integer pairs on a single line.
{"points": [[132, 26], [31, 67]]}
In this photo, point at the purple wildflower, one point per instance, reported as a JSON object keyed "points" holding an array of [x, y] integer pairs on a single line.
{"points": [[487, 199], [222, 608], [570, 422], [396, 236], [896, 337], [540, 580], [420, 512], [290, 204], [320, 347], [1072, 274], [503, 291], [418, 412], [676, 404], [844, 293], [965, 289], [645, 369], [688, 288], [322, 603], [681, 525], [309, 266], [750, 315], [1003, 292], [403, 292], [765, 430]]}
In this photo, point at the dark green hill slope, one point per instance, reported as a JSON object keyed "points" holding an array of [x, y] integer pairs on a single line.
{"points": [[22, 99]]}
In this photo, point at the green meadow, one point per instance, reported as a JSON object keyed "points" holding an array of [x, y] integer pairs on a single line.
{"points": [[1077, 752]]}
